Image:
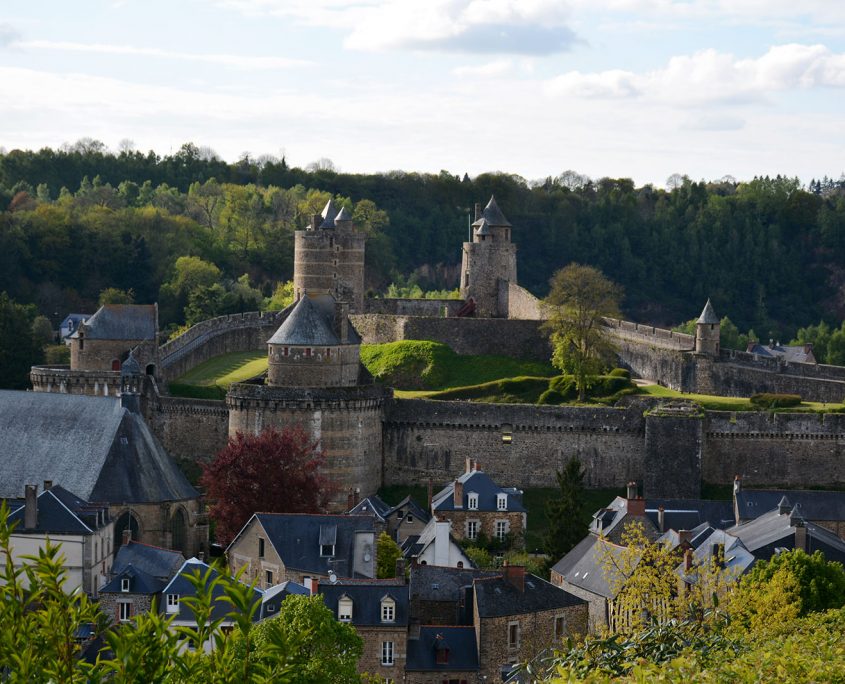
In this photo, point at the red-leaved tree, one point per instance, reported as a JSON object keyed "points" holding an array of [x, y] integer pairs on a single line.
{"points": [[278, 471]]}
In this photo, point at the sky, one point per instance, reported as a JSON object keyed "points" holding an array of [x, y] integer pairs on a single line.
{"points": [[622, 88]]}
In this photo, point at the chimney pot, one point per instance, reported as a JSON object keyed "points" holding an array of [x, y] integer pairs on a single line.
{"points": [[661, 519], [632, 490], [201, 557], [459, 494], [400, 570], [48, 484], [515, 575], [477, 211], [30, 511], [468, 464]]}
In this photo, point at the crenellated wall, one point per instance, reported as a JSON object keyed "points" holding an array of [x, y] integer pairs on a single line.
{"points": [[434, 308]]}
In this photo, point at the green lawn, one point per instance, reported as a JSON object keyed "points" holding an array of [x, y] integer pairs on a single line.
{"points": [[225, 369], [716, 403]]}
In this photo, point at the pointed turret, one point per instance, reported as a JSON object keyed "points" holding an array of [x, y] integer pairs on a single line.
{"points": [[707, 331], [708, 316], [329, 214], [493, 215]]}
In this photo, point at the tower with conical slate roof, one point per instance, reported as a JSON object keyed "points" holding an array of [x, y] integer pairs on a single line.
{"points": [[329, 258], [488, 263], [707, 331]]}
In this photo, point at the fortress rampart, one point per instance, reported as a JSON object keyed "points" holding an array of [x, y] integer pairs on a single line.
{"points": [[60, 378], [431, 308]]}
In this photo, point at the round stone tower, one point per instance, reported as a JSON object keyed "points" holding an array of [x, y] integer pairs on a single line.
{"points": [[707, 332], [489, 261], [329, 258], [315, 380]]}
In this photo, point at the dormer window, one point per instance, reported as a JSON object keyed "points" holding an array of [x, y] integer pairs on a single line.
{"points": [[327, 550], [501, 502], [344, 609], [388, 610], [124, 584], [173, 603], [472, 501]]}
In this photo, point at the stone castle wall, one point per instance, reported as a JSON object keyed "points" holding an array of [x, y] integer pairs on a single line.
{"points": [[649, 336], [63, 380], [519, 302], [519, 338], [432, 308], [190, 429]]}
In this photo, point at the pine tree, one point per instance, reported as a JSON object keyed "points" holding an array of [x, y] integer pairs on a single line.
{"points": [[563, 512]]}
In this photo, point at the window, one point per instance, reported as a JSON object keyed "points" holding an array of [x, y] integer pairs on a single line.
{"points": [[472, 501], [387, 653], [501, 502], [307, 351], [125, 611], [285, 351], [260, 547], [124, 584], [271, 607], [501, 529], [507, 434], [560, 626], [173, 603], [268, 577], [344, 609], [388, 610], [409, 518], [513, 635], [472, 529], [327, 550]]}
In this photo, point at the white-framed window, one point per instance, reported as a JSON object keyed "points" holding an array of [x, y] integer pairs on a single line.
{"points": [[387, 653], [125, 611], [472, 501], [501, 502], [124, 584], [388, 610], [513, 635], [173, 603], [472, 529], [271, 607], [344, 609], [501, 529]]}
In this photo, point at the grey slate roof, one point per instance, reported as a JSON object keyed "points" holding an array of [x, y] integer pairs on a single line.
{"points": [[463, 651], [496, 597], [140, 582], [296, 538], [480, 483], [583, 566], [492, 214], [366, 601], [406, 506], [60, 512], [790, 354], [153, 560], [737, 560], [271, 601], [708, 316], [372, 505], [436, 583], [343, 215], [773, 530], [122, 322], [817, 505], [329, 214], [684, 514], [91, 446]]}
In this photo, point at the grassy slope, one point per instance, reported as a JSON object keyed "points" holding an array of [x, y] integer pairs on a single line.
{"points": [[715, 403], [225, 369]]}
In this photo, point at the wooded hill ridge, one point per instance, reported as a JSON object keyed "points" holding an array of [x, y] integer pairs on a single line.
{"points": [[79, 219]]}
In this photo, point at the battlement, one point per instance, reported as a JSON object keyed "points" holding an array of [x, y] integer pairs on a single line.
{"points": [[650, 335], [60, 378], [403, 306], [243, 395]]}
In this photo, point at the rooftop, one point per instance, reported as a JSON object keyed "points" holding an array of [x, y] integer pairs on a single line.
{"points": [[460, 642], [122, 322], [496, 596]]}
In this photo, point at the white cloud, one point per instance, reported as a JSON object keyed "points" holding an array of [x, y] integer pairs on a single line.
{"points": [[500, 67], [712, 76], [238, 61], [8, 34]]}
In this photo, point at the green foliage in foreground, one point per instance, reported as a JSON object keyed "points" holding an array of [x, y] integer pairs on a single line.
{"points": [[421, 364], [40, 617]]}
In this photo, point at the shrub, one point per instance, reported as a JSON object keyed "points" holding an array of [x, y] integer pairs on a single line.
{"points": [[771, 400], [621, 373], [551, 398], [57, 354]]}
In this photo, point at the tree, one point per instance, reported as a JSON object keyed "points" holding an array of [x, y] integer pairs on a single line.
{"points": [[42, 330], [563, 512], [387, 553], [580, 297], [112, 295], [277, 471], [19, 350]]}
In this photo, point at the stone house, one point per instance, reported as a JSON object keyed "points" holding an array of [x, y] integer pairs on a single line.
{"points": [[478, 507], [301, 548], [442, 654], [405, 519], [436, 546], [101, 449], [518, 615], [84, 530], [139, 574], [70, 324], [103, 341], [443, 596], [378, 609]]}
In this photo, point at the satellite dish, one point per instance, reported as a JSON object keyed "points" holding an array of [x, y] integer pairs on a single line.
{"points": [[367, 557], [332, 577]]}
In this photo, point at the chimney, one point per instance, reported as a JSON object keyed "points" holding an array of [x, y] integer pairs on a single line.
{"points": [[48, 484], [30, 511], [316, 220], [400, 570], [808, 347], [459, 494], [477, 211], [684, 537], [771, 343], [750, 346], [127, 537], [737, 484], [661, 519], [430, 492], [201, 557], [515, 575], [468, 465], [341, 321], [800, 536], [441, 541], [635, 504], [687, 560], [632, 490], [350, 500]]}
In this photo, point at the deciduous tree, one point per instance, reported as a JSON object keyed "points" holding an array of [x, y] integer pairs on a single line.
{"points": [[387, 552], [563, 512]]}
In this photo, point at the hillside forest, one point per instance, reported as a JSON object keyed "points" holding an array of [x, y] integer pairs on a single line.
{"points": [[204, 237]]}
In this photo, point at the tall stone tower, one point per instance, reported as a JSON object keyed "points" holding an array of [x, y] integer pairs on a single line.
{"points": [[329, 258], [489, 261], [707, 332]]}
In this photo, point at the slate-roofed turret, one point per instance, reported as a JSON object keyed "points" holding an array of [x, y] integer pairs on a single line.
{"points": [[493, 215], [306, 325], [329, 214], [708, 315]]}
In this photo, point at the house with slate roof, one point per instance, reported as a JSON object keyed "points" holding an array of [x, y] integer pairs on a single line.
{"points": [[180, 587], [796, 353], [70, 324], [379, 611], [299, 547], [443, 596], [139, 574], [101, 449], [405, 519], [84, 530], [272, 598], [477, 506], [435, 545], [104, 340], [440, 653]]}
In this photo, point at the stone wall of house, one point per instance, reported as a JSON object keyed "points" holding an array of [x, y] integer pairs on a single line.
{"points": [[370, 660], [596, 605], [487, 524], [790, 449], [518, 338], [431, 440], [141, 603], [101, 355], [155, 522], [244, 553], [346, 421]]}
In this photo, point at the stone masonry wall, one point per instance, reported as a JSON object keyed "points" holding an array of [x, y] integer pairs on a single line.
{"points": [[432, 308], [519, 302], [431, 439], [673, 444], [190, 429]]}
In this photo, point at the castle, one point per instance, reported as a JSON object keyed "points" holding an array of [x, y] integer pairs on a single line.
{"points": [[315, 379]]}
